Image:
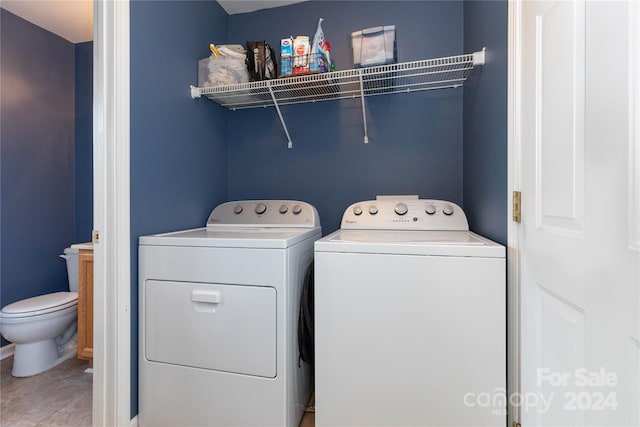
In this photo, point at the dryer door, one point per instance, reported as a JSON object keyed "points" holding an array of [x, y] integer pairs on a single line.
{"points": [[227, 328]]}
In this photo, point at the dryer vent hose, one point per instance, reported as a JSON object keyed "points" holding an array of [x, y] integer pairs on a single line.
{"points": [[305, 319]]}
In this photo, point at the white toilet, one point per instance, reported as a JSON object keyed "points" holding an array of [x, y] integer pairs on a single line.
{"points": [[43, 328]]}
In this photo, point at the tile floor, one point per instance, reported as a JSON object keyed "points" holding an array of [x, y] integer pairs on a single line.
{"points": [[309, 417], [60, 396], [308, 420]]}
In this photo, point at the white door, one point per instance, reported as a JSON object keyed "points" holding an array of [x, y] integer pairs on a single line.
{"points": [[578, 240]]}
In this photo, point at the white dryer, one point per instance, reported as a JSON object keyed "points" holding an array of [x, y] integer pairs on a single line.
{"points": [[410, 319], [219, 315]]}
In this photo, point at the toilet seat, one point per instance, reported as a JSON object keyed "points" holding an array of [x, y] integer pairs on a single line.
{"points": [[40, 305]]}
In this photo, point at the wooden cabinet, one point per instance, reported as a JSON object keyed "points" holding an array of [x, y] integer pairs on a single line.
{"points": [[85, 305]]}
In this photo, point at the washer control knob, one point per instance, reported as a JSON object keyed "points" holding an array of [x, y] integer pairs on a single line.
{"points": [[430, 209], [373, 209], [283, 209], [261, 208], [357, 210], [401, 209], [237, 209], [296, 209], [447, 210]]}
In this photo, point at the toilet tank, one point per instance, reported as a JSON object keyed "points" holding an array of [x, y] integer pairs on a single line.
{"points": [[71, 256]]}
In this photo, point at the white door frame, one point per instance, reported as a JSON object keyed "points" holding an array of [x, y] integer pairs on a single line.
{"points": [[513, 184], [634, 126], [112, 273]]}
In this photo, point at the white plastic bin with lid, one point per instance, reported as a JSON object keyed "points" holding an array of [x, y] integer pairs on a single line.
{"points": [[374, 46]]}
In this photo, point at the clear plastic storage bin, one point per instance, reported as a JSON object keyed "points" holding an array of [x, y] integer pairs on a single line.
{"points": [[374, 46], [222, 71]]}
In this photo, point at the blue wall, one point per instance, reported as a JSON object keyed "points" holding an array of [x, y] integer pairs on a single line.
{"points": [[485, 120], [37, 158], [178, 145], [84, 141], [415, 140]]}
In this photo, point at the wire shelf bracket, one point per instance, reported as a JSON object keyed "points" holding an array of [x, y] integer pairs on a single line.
{"points": [[404, 77], [364, 113], [284, 125]]}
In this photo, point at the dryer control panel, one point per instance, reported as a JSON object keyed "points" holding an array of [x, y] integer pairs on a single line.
{"points": [[404, 213], [265, 213]]}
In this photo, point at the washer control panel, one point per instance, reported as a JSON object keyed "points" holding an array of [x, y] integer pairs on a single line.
{"points": [[265, 213], [404, 213]]}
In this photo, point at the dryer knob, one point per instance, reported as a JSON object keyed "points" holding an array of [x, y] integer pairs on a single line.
{"points": [[261, 208], [357, 210], [283, 209], [401, 209], [447, 210], [237, 210], [373, 209], [296, 209], [430, 209]]}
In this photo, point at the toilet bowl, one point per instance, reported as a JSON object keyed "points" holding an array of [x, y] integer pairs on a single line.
{"points": [[43, 328], [40, 327]]}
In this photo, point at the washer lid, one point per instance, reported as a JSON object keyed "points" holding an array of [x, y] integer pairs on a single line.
{"points": [[410, 242], [236, 237], [41, 304]]}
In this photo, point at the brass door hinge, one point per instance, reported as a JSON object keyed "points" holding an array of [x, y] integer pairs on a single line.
{"points": [[517, 206], [95, 237], [515, 424]]}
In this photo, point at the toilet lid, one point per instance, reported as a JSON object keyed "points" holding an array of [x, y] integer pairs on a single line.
{"points": [[41, 304]]}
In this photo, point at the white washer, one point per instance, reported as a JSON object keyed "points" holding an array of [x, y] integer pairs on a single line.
{"points": [[219, 315], [410, 310]]}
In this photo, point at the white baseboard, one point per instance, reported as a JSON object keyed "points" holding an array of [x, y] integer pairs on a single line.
{"points": [[134, 422], [7, 351]]}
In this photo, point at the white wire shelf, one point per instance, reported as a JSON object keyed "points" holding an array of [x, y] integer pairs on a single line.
{"points": [[405, 77]]}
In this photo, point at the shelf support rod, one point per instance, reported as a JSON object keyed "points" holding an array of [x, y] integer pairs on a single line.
{"points": [[284, 126], [364, 113]]}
